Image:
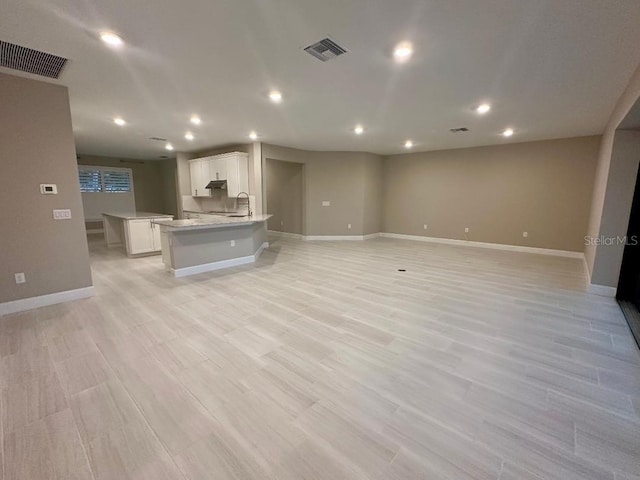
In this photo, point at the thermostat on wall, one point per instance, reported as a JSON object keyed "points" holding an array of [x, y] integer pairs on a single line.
{"points": [[48, 188]]}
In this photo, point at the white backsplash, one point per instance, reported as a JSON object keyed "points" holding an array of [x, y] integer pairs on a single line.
{"points": [[218, 202]]}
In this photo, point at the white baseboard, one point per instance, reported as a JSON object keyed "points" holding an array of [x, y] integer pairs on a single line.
{"points": [[602, 290], [371, 235], [339, 237], [45, 300], [259, 250], [496, 246], [297, 236], [210, 267]]}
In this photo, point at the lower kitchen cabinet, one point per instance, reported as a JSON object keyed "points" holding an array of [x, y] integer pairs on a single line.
{"points": [[143, 236]]}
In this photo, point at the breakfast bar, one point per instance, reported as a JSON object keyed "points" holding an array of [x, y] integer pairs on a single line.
{"points": [[192, 246]]}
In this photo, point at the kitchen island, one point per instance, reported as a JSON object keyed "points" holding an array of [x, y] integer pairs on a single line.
{"points": [[200, 245], [134, 230]]}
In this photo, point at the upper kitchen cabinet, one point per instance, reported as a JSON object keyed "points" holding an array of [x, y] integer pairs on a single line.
{"points": [[237, 171], [232, 167], [200, 176]]}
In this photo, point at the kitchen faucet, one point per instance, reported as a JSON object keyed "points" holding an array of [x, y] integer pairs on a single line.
{"points": [[249, 213]]}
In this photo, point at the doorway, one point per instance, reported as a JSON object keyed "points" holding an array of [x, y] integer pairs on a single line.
{"points": [[285, 196], [628, 293]]}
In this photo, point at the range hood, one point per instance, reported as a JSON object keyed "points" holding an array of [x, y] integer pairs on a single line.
{"points": [[217, 184]]}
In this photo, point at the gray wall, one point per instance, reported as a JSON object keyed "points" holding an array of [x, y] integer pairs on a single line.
{"points": [[498, 192], [344, 179], [604, 261], [153, 181], [373, 175], [285, 195], [616, 208], [37, 146]]}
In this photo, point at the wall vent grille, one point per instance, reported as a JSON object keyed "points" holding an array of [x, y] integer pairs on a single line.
{"points": [[30, 60], [325, 50]]}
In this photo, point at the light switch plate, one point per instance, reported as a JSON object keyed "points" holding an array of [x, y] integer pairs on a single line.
{"points": [[62, 214], [20, 278]]}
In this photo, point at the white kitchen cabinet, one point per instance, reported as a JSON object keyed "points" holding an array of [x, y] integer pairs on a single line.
{"points": [[143, 236], [218, 168], [237, 174], [200, 176], [232, 167]]}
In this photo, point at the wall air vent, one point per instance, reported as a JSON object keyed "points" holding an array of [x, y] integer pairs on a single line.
{"points": [[459, 129], [30, 61], [325, 50]]}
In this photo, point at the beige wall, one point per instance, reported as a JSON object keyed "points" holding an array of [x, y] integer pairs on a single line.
{"points": [[606, 269], [337, 177], [153, 181], [498, 192], [373, 175], [37, 146], [285, 195]]}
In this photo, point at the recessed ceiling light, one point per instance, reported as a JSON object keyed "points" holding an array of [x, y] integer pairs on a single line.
{"points": [[188, 136], [119, 121], [169, 147], [408, 144], [403, 51], [253, 136], [358, 130], [195, 119], [484, 108], [508, 132], [111, 39], [275, 96]]}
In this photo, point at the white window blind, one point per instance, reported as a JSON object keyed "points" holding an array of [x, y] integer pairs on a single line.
{"points": [[106, 189], [116, 181], [104, 180], [90, 181]]}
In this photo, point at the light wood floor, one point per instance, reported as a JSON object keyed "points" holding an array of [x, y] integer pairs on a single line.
{"points": [[323, 361]]}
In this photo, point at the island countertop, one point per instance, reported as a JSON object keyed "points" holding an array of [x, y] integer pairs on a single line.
{"points": [[136, 215], [208, 223]]}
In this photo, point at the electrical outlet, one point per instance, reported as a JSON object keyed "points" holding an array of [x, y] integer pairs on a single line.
{"points": [[281, 223], [425, 226], [62, 214], [349, 226], [20, 278], [466, 229], [525, 234], [233, 243], [326, 203]]}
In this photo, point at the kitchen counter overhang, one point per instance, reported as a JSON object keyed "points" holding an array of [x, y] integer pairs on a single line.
{"points": [[210, 223], [201, 245]]}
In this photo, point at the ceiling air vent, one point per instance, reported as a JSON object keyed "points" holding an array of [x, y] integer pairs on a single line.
{"points": [[325, 50], [459, 129], [160, 139], [30, 60]]}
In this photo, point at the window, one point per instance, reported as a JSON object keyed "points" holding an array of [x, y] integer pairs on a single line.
{"points": [[90, 181], [104, 180], [117, 181]]}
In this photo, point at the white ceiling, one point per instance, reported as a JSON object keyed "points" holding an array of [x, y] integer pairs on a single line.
{"points": [[550, 69]]}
